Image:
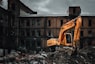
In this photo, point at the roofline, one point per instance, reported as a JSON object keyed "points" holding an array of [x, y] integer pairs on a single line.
{"points": [[73, 6], [48, 16], [43, 16], [4, 10], [26, 8]]}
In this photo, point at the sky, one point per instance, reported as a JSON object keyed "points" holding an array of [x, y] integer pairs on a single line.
{"points": [[4, 4], [57, 7], [60, 7]]}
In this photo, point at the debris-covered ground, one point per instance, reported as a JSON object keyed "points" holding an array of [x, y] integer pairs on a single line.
{"points": [[60, 56], [83, 56]]}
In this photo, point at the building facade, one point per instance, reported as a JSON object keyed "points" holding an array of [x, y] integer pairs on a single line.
{"points": [[35, 31], [88, 30]]}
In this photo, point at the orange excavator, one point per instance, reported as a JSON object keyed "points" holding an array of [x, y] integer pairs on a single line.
{"points": [[65, 38]]}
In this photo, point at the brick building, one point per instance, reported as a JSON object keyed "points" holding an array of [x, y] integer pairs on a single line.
{"points": [[34, 31], [88, 30], [9, 22]]}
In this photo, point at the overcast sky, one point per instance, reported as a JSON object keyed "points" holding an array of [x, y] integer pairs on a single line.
{"points": [[60, 7]]}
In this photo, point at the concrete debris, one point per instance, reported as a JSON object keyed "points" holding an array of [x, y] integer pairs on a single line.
{"points": [[60, 56]]}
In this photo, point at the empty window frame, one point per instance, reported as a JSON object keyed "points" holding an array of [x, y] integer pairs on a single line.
{"points": [[22, 42], [81, 33], [33, 21], [27, 32], [28, 23], [89, 33], [22, 32], [38, 22], [49, 33], [61, 22], [89, 22], [38, 33], [33, 33], [49, 23]]}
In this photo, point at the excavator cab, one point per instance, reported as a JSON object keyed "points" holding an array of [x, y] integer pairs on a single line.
{"points": [[68, 39]]}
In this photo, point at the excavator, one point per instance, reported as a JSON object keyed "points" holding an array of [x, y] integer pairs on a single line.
{"points": [[62, 39], [66, 38]]}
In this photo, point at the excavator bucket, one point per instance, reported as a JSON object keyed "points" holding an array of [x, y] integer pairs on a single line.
{"points": [[52, 42]]}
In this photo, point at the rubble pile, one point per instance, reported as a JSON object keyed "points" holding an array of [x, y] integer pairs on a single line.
{"points": [[88, 53], [25, 58], [60, 56], [84, 56]]}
